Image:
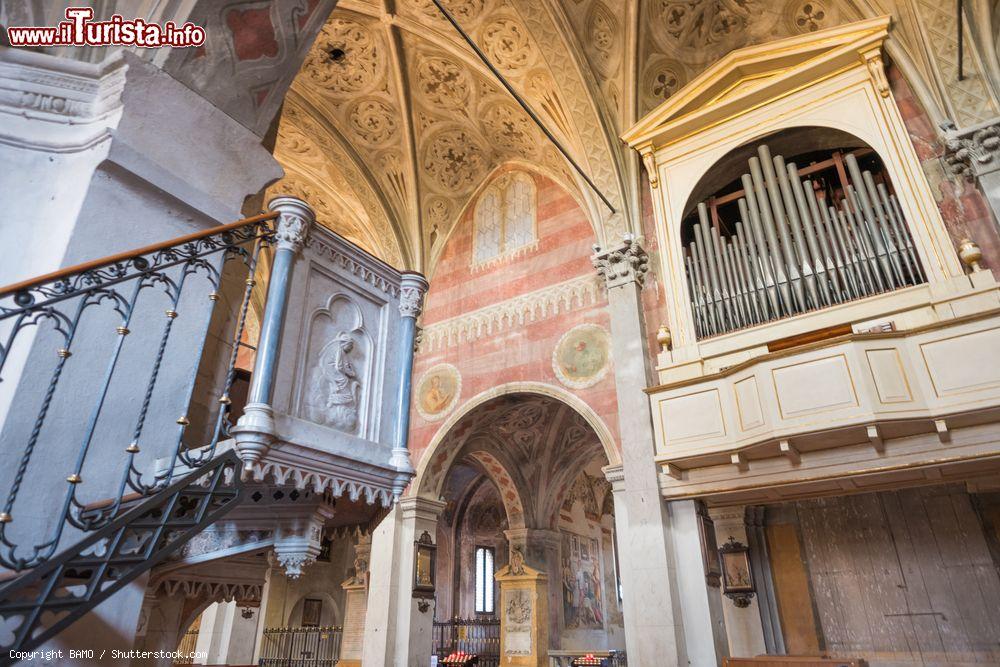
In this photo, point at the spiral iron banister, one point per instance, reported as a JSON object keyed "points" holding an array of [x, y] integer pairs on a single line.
{"points": [[115, 285]]}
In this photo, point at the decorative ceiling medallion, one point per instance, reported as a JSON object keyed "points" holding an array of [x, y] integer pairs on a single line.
{"points": [[582, 356], [454, 160], [508, 45], [360, 66], [508, 127], [374, 121], [443, 83], [438, 391]]}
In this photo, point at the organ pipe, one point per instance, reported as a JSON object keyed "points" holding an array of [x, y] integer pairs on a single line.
{"points": [[795, 249]]}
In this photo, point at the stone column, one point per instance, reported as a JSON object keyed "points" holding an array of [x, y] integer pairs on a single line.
{"points": [[355, 606], [653, 629], [254, 432], [398, 626], [524, 611], [746, 633], [413, 286], [974, 153], [766, 599], [701, 604]]}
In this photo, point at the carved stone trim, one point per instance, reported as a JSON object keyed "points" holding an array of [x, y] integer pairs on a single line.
{"points": [[294, 221], [246, 595], [622, 264], [973, 151], [78, 102], [366, 271], [319, 482], [412, 288], [531, 307]]}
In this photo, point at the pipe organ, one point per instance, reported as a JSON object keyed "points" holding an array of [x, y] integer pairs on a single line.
{"points": [[797, 246]]}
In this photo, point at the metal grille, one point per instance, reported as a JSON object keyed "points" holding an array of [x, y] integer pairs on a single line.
{"points": [[480, 636], [301, 647], [186, 648]]}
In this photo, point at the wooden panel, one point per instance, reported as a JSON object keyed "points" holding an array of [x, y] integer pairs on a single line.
{"points": [[903, 577], [888, 375], [748, 403], [809, 387], [693, 416], [791, 584], [963, 363]]}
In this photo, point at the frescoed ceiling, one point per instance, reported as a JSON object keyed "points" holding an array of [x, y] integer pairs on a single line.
{"points": [[404, 114]]}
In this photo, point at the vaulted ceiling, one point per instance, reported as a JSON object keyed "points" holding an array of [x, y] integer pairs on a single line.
{"points": [[393, 123]]}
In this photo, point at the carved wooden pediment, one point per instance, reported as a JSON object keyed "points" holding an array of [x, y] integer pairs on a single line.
{"points": [[749, 77]]}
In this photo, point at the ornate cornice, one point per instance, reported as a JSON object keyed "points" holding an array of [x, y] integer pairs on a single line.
{"points": [[78, 103], [336, 485], [531, 307], [622, 264], [973, 151]]}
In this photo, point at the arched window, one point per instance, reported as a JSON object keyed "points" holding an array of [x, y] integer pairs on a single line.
{"points": [[504, 218]]}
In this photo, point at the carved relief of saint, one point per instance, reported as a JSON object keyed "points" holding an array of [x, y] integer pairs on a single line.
{"points": [[334, 394]]}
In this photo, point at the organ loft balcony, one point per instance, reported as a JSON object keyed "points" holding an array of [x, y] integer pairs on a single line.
{"points": [[823, 332]]}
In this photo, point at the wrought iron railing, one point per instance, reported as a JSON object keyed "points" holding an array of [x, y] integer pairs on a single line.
{"points": [[40, 604], [480, 636], [115, 296], [301, 647]]}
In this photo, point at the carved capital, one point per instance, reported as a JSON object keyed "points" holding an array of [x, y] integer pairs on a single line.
{"points": [[973, 151], [295, 217], [650, 164], [622, 264], [412, 288], [294, 563]]}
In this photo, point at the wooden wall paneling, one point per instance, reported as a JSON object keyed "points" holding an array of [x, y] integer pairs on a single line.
{"points": [[971, 572], [928, 639], [799, 625]]}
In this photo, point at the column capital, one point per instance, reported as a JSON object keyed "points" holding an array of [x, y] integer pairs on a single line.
{"points": [[412, 288], [295, 217], [622, 263], [972, 151], [421, 508]]}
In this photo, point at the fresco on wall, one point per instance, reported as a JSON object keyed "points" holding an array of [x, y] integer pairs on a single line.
{"points": [[581, 356], [583, 606], [438, 391]]}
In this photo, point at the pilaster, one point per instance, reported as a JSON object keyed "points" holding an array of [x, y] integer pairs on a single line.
{"points": [[974, 153], [653, 629], [398, 626]]}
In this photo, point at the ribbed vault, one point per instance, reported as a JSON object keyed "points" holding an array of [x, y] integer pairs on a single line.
{"points": [[410, 122]]}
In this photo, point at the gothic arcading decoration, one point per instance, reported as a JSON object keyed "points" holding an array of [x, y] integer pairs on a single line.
{"points": [[973, 151], [245, 595], [516, 312], [335, 485], [354, 266], [622, 264]]}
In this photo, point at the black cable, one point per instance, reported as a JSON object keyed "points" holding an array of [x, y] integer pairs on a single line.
{"points": [[520, 100]]}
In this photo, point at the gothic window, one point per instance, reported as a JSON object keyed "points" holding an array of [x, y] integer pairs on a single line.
{"points": [[485, 582], [504, 218]]}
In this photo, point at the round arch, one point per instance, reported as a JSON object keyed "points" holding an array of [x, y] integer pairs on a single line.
{"points": [[425, 484]]}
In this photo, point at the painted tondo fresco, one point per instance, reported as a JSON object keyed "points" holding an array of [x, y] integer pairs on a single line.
{"points": [[438, 391], [581, 356]]}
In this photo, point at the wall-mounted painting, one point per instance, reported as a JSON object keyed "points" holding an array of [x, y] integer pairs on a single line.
{"points": [[438, 391], [583, 598], [581, 357]]}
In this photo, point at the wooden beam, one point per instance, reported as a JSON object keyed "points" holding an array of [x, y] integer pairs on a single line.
{"points": [[789, 451], [673, 471], [739, 460], [943, 433], [875, 438]]}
